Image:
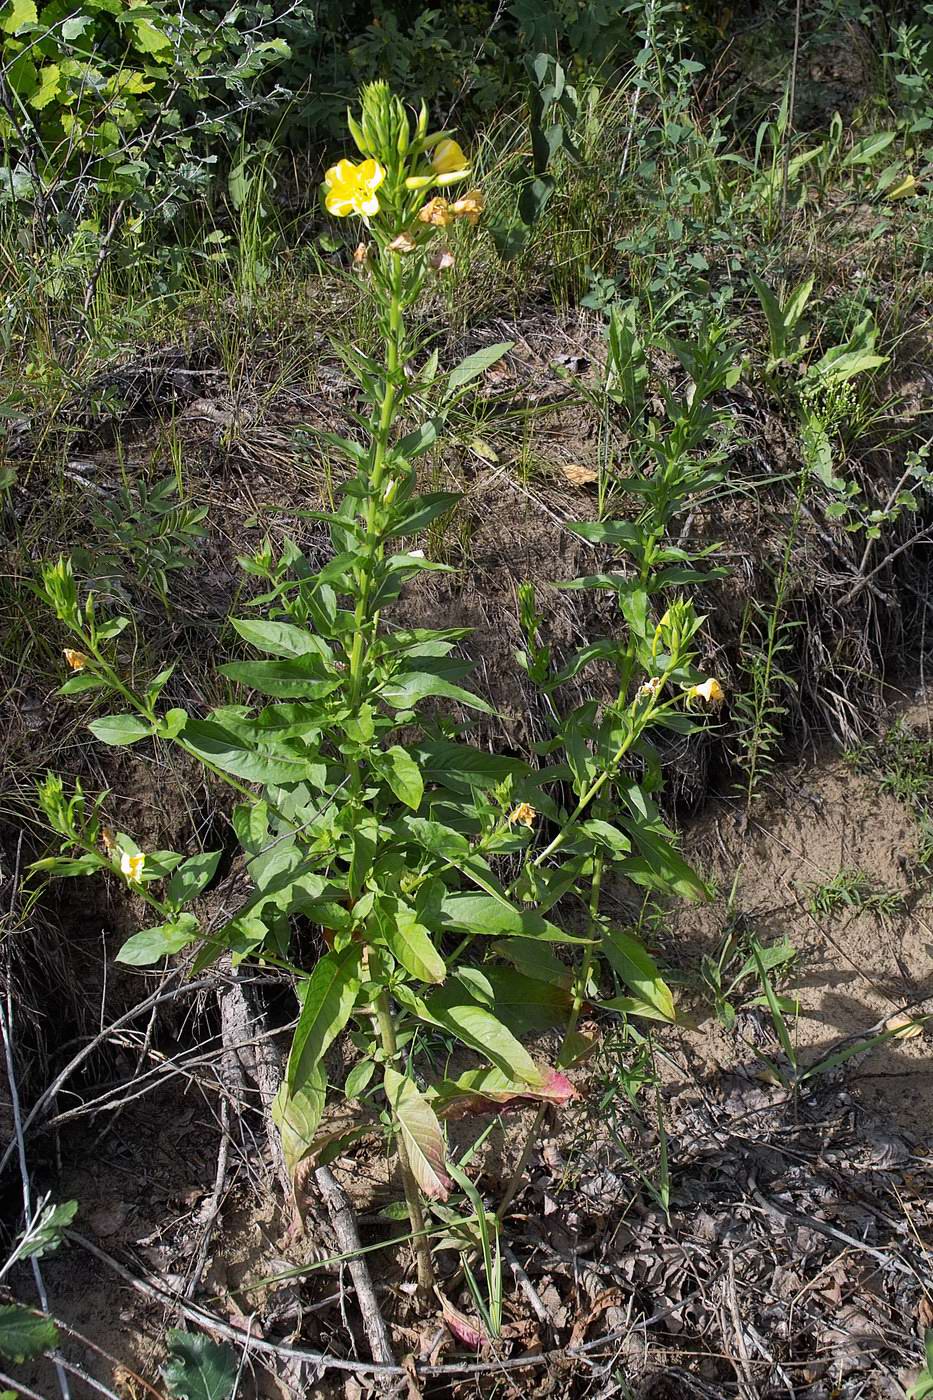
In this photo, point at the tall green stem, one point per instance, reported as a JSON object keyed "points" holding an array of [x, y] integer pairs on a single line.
{"points": [[366, 620], [412, 1199], [365, 625]]}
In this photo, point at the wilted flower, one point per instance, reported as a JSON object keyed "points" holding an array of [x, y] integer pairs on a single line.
{"points": [[107, 840], [470, 206], [650, 688], [441, 260], [76, 659], [132, 866], [436, 212], [350, 189], [404, 243], [524, 813], [710, 692], [361, 255]]}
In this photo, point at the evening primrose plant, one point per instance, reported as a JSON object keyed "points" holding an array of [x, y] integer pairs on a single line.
{"points": [[365, 819]]}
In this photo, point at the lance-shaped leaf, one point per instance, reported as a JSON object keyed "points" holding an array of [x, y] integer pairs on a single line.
{"points": [[327, 1001], [483, 1032], [409, 941], [421, 1133], [486, 1088], [639, 972], [487, 915], [298, 1117]]}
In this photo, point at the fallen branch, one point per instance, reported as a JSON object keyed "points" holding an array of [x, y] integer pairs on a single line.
{"points": [[241, 1338], [343, 1221]]}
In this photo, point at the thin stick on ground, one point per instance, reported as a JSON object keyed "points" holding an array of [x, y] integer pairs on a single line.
{"points": [[343, 1221], [216, 1199]]}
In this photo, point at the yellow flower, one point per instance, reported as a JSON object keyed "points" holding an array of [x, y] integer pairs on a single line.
{"points": [[76, 659], [132, 866], [351, 189], [436, 212], [710, 693], [523, 813], [404, 243], [469, 207], [449, 163], [447, 157]]}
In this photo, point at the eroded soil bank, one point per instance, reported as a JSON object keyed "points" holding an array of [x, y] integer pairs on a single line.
{"points": [[793, 1258]]}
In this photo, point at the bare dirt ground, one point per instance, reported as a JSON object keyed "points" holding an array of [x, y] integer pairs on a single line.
{"points": [[793, 1261]]}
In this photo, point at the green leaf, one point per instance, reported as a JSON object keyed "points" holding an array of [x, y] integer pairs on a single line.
{"points": [[150, 945], [535, 959], [358, 1079], [403, 776], [771, 307], [46, 1234], [485, 915], [298, 1116], [327, 1001], [627, 370], [406, 691], [417, 514], [483, 1032], [147, 39], [435, 837], [639, 972], [864, 151], [199, 1369], [211, 741], [25, 1334], [477, 364], [194, 875], [420, 440], [120, 730], [462, 767], [17, 14], [526, 1004], [293, 678], [409, 941], [836, 369], [421, 1133], [50, 78], [623, 532], [278, 638]]}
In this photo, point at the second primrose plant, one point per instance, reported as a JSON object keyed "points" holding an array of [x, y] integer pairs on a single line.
{"points": [[363, 811]]}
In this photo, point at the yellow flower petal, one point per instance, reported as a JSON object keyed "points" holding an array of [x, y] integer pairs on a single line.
{"points": [[370, 173], [710, 692], [132, 865], [349, 188], [448, 157], [76, 659]]}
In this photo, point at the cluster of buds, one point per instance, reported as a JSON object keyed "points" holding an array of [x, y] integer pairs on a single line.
{"points": [[401, 162]]}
